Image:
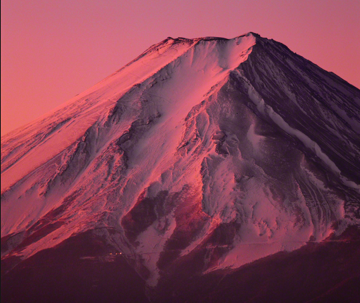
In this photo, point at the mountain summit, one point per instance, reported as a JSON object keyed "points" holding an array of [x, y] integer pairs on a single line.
{"points": [[201, 159]]}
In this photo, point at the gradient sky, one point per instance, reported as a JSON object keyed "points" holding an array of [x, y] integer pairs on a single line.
{"points": [[53, 50]]}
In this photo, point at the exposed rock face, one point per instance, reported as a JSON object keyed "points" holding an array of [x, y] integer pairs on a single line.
{"points": [[214, 150]]}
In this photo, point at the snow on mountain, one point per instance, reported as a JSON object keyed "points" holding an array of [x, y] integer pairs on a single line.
{"points": [[239, 148]]}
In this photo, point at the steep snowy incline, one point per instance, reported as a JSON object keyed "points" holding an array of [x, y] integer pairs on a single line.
{"points": [[45, 150], [34, 144], [73, 119], [231, 150]]}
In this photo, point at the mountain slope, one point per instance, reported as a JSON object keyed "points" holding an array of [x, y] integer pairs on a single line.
{"points": [[233, 150]]}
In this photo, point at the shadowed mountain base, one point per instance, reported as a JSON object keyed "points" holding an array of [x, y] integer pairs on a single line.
{"points": [[85, 269], [81, 269]]}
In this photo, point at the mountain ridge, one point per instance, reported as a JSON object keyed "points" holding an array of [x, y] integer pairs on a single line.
{"points": [[228, 149]]}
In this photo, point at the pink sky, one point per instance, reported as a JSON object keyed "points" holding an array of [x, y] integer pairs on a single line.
{"points": [[53, 50]]}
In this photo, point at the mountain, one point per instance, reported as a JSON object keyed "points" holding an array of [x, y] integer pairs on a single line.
{"points": [[205, 170]]}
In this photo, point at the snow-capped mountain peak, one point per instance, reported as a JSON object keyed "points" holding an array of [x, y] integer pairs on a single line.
{"points": [[236, 147]]}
